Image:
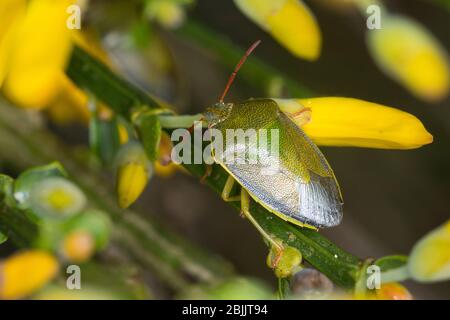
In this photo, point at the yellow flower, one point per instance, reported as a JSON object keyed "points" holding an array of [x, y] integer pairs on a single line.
{"points": [[11, 13], [39, 53], [26, 272], [290, 22], [430, 258], [35, 45], [410, 54], [348, 122]]}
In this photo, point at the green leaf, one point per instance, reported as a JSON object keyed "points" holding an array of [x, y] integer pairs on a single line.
{"points": [[104, 138], [3, 237], [141, 34], [25, 182], [391, 262], [393, 268]]}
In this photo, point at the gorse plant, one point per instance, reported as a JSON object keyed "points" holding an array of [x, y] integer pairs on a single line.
{"points": [[63, 212]]}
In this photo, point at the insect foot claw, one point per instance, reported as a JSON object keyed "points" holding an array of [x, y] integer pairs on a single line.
{"points": [[242, 214], [207, 174], [285, 261]]}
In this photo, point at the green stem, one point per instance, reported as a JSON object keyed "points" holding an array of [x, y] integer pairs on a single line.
{"points": [[174, 122], [338, 265], [395, 275]]}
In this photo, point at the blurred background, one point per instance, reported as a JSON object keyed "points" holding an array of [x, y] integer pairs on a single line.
{"points": [[391, 197]]}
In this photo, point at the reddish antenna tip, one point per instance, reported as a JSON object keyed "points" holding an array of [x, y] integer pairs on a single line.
{"points": [[236, 69]]}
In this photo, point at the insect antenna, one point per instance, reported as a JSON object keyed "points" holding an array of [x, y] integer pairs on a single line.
{"points": [[231, 79], [238, 66]]}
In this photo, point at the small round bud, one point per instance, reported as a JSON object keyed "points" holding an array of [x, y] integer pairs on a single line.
{"points": [[393, 291], [78, 246], [56, 197], [310, 283]]}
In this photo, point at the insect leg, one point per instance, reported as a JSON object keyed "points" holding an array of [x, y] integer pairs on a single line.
{"points": [[208, 171], [227, 189], [245, 210]]}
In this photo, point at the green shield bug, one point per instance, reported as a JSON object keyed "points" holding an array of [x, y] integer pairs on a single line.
{"points": [[302, 190]]}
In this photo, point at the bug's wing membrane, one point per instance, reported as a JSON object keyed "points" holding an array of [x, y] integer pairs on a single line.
{"points": [[320, 201]]}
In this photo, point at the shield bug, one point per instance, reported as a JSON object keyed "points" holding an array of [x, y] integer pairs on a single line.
{"points": [[302, 190]]}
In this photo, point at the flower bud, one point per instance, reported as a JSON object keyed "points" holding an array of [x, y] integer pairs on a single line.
{"points": [[167, 13], [393, 291], [133, 172], [78, 246], [310, 283], [429, 260], [56, 197]]}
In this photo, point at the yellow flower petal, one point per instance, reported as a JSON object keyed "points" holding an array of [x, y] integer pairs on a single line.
{"points": [[40, 55], [430, 258], [290, 22], [24, 273], [409, 53], [11, 14], [348, 122]]}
